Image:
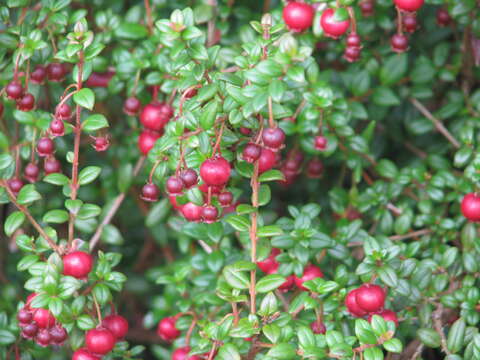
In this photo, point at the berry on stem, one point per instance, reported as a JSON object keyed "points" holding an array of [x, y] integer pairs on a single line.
{"points": [[24, 316], [37, 76], [77, 264], [388, 315], [443, 17], [117, 324], [318, 327], [314, 168], [251, 152], [409, 5], [55, 72], [370, 297], [43, 318], [215, 171], [352, 305], [147, 140], [266, 161], [101, 143], [63, 112], [273, 138], [320, 143], [58, 334], [30, 330], [150, 192], [43, 338], [399, 43], [270, 264], [45, 146], [331, 27], [154, 116], [367, 7], [410, 22], [84, 354], [15, 185], [209, 214], [189, 177], [131, 106], [192, 212], [167, 330], [31, 172], [26, 102], [14, 90], [57, 127], [225, 198], [471, 207], [99, 341], [298, 16], [309, 273], [182, 354], [174, 185], [52, 165]]}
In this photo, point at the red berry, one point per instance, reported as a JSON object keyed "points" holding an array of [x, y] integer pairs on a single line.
{"points": [[43, 338], [52, 165], [321, 143], [332, 28], [38, 75], [45, 146], [471, 207], [150, 192], [57, 127], [245, 131], [31, 172], [288, 284], [192, 212], [273, 138], [215, 171], [24, 316], [84, 354], [154, 116], [101, 144], [215, 190], [100, 341], [209, 214], [410, 22], [399, 43], [117, 324], [30, 330], [352, 54], [29, 299], [189, 177], [63, 112], [174, 185], [1, 109], [309, 273], [367, 8], [298, 16], [352, 306], [173, 201], [225, 198], [190, 93], [182, 354], [26, 102], [77, 264], [167, 330], [147, 140], [14, 90], [353, 40], [97, 79], [409, 5], [314, 168], [388, 315], [266, 161], [318, 327], [291, 165], [270, 265], [55, 72], [370, 297], [43, 318], [443, 17], [58, 334], [131, 106], [251, 152], [15, 185]]}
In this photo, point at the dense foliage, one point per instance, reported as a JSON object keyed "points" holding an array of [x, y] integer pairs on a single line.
{"points": [[221, 179]]}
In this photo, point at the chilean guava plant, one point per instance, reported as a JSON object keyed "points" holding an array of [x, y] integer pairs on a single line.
{"points": [[239, 179]]}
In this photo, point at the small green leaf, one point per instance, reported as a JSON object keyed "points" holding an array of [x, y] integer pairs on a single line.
{"points": [[94, 122], [269, 283], [89, 174], [56, 216], [13, 222], [56, 179], [28, 194], [85, 98]]}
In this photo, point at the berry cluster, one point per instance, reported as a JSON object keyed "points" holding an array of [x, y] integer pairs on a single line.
{"points": [[369, 300], [40, 325]]}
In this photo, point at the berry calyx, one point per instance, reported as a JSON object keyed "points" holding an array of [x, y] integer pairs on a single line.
{"points": [[45, 146], [352, 305], [101, 144], [43, 318], [320, 143], [55, 72], [174, 185], [150, 192], [58, 334], [14, 90], [37, 76], [26, 102], [209, 214], [410, 22], [192, 212], [117, 324], [51, 166], [443, 17], [331, 27], [225, 198], [399, 43], [266, 161], [409, 5], [318, 327], [273, 138], [251, 152], [189, 177], [63, 112], [147, 140], [270, 265], [100, 341], [298, 16], [15, 185], [388, 315], [77, 264], [309, 273], [471, 207], [57, 127], [167, 330], [154, 116], [370, 297], [215, 171], [84, 354], [131, 106]]}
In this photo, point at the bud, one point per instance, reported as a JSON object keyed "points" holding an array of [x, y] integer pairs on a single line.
{"points": [[267, 20]]}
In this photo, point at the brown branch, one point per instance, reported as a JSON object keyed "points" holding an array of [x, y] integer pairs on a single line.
{"points": [[437, 123], [438, 325]]}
